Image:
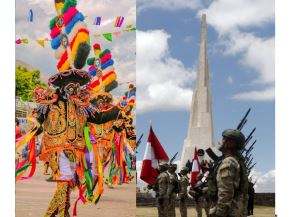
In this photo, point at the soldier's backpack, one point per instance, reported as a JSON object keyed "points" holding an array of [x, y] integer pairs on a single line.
{"points": [[244, 182]]}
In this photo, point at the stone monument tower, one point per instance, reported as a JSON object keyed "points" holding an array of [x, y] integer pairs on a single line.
{"points": [[200, 129]]}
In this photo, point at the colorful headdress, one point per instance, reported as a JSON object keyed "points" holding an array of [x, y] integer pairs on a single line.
{"points": [[102, 70], [70, 39]]}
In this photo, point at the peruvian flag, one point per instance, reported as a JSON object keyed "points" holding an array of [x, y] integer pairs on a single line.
{"points": [[153, 153], [195, 168]]}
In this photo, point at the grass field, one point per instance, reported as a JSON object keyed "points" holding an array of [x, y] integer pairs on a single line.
{"points": [[259, 211]]}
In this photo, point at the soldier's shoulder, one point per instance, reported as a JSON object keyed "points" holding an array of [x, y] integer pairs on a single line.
{"points": [[230, 161], [229, 167], [163, 175], [172, 177], [184, 178]]}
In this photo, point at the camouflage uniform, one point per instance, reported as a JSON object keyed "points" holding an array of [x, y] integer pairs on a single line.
{"points": [[161, 192], [230, 201], [231, 183], [171, 192], [201, 201], [184, 183]]}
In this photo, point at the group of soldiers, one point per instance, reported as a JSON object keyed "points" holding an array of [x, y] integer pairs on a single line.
{"points": [[169, 187], [223, 194]]}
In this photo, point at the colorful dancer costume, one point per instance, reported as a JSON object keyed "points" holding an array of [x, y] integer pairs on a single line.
{"points": [[66, 111], [115, 140]]}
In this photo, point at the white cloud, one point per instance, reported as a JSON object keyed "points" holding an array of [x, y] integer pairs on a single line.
{"points": [[265, 183], [225, 15], [167, 4], [163, 82], [267, 94], [257, 53], [230, 19]]}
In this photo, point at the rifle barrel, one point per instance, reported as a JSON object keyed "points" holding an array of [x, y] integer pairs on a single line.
{"points": [[173, 158], [250, 136], [250, 148], [243, 121], [139, 141]]}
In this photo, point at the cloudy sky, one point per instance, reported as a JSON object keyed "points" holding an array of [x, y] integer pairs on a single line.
{"points": [[123, 48], [241, 42]]}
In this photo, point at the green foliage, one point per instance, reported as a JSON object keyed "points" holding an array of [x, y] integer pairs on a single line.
{"points": [[26, 81]]}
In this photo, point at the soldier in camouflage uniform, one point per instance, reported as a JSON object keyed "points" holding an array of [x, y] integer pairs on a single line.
{"points": [[228, 184], [161, 187], [172, 189], [199, 195], [184, 183]]}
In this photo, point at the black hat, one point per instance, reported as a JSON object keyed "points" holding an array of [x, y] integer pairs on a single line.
{"points": [[70, 76]]}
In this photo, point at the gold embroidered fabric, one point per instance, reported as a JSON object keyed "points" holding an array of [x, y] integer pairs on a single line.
{"points": [[105, 134], [60, 202], [53, 163], [63, 126], [55, 123]]}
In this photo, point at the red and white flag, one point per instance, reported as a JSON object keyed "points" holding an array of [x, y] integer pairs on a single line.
{"points": [[195, 168], [154, 152]]}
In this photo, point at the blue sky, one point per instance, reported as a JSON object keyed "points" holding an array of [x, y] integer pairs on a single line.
{"points": [[241, 64]]}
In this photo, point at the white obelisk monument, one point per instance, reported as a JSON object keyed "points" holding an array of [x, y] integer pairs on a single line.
{"points": [[200, 130]]}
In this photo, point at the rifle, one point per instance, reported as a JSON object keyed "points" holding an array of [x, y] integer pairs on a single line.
{"points": [[198, 188], [249, 170], [249, 163], [247, 158], [139, 141], [249, 149], [173, 158], [243, 121], [212, 155], [249, 136], [200, 185]]}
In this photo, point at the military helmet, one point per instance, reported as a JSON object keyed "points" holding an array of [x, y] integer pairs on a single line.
{"points": [[235, 135], [184, 169], [163, 165], [172, 167]]}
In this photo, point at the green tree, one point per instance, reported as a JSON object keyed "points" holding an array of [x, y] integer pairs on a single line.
{"points": [[26, 81]]}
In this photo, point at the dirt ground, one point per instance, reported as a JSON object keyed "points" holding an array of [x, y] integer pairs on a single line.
{"points": [[33, 196], [259, 211]]}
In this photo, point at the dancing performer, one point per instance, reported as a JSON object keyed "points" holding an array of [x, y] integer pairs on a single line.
{"points": [[66, 110]]}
